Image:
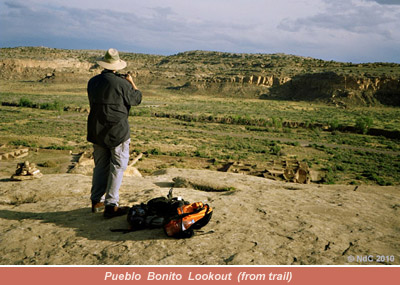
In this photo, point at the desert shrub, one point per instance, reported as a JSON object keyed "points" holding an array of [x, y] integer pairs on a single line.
{"points": [[340, 167], [21, 143], [330, 176], [179, 153], [363, 124], [276, 122], [140, 112], [56, 105], [375, 177], [334, 125], [59, 147], [200, 152], [155, 151], [275, 149], [24, 102], [45, 106]]}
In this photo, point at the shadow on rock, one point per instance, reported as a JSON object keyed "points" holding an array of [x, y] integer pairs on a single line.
{"points": [[87, 225]]}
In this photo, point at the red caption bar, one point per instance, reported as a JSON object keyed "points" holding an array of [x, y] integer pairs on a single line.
{"points": [[197, 275]]}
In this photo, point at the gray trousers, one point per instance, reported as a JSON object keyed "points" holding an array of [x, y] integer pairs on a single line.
{"points": [[109, 167]]}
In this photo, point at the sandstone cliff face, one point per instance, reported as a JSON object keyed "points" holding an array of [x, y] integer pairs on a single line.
{"points": [[261, 80], [58, 64], [341, 89], [371, 83], [329, 87], [259, 75], [57, 71], [16, 67], [319, 81]]}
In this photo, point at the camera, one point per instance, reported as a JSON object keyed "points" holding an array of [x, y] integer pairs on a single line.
{"points": [[124, 75]]}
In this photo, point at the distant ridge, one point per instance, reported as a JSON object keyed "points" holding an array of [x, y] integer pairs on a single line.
{"points": [[265, 76]]}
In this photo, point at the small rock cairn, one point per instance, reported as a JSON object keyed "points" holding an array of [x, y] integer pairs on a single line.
{"points": [[26, 171]]}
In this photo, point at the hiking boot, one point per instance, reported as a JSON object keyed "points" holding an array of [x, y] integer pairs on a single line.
{"points": [[97, 207], [115, 211]]}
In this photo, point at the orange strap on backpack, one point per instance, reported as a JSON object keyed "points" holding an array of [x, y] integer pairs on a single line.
{"points": [[192, 216]]}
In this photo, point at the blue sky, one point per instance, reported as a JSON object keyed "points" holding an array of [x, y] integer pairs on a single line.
{"points": [[342, 30]]}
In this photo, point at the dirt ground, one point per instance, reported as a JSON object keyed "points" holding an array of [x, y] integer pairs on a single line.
{"points": [[256, 221]]}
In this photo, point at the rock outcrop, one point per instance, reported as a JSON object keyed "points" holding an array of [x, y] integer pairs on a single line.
{"points": [[346, 89], [257, 222], [252, 75], [26, 171]]}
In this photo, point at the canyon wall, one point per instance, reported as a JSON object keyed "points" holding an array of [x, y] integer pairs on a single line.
{"points": [[266, 76]]}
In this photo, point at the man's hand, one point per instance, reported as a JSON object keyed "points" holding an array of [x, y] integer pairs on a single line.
{"points": [[130, 79]]}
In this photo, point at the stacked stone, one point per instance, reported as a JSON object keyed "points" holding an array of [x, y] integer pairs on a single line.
{"points": [[25, 171], [14, 154], [297, 174]]}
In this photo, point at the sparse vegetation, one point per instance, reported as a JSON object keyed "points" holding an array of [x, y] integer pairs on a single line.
{"points": [[217, 123], [363, 124]]}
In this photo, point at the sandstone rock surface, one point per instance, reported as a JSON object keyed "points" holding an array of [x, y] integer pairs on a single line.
{"points": [[256, 221]]}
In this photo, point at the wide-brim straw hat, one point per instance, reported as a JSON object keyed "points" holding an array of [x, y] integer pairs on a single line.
{"points": [[111, 60]]}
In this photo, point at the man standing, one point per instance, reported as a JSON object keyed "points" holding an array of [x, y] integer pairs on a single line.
{"points": [[111, 97]]}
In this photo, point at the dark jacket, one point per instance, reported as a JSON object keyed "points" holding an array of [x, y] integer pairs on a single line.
{"points": [[110, 98]]}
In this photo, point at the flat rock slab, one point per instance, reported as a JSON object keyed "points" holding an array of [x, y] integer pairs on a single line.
{"points": [[260, 222]]}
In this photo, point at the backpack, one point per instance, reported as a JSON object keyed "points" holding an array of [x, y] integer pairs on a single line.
{"points": [[154, 214], [188, 218], [178, 217]]}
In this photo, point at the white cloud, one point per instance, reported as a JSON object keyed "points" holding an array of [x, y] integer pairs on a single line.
{"points": [[359, 29], [386, 2], [340, 16], [318, 28]]}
